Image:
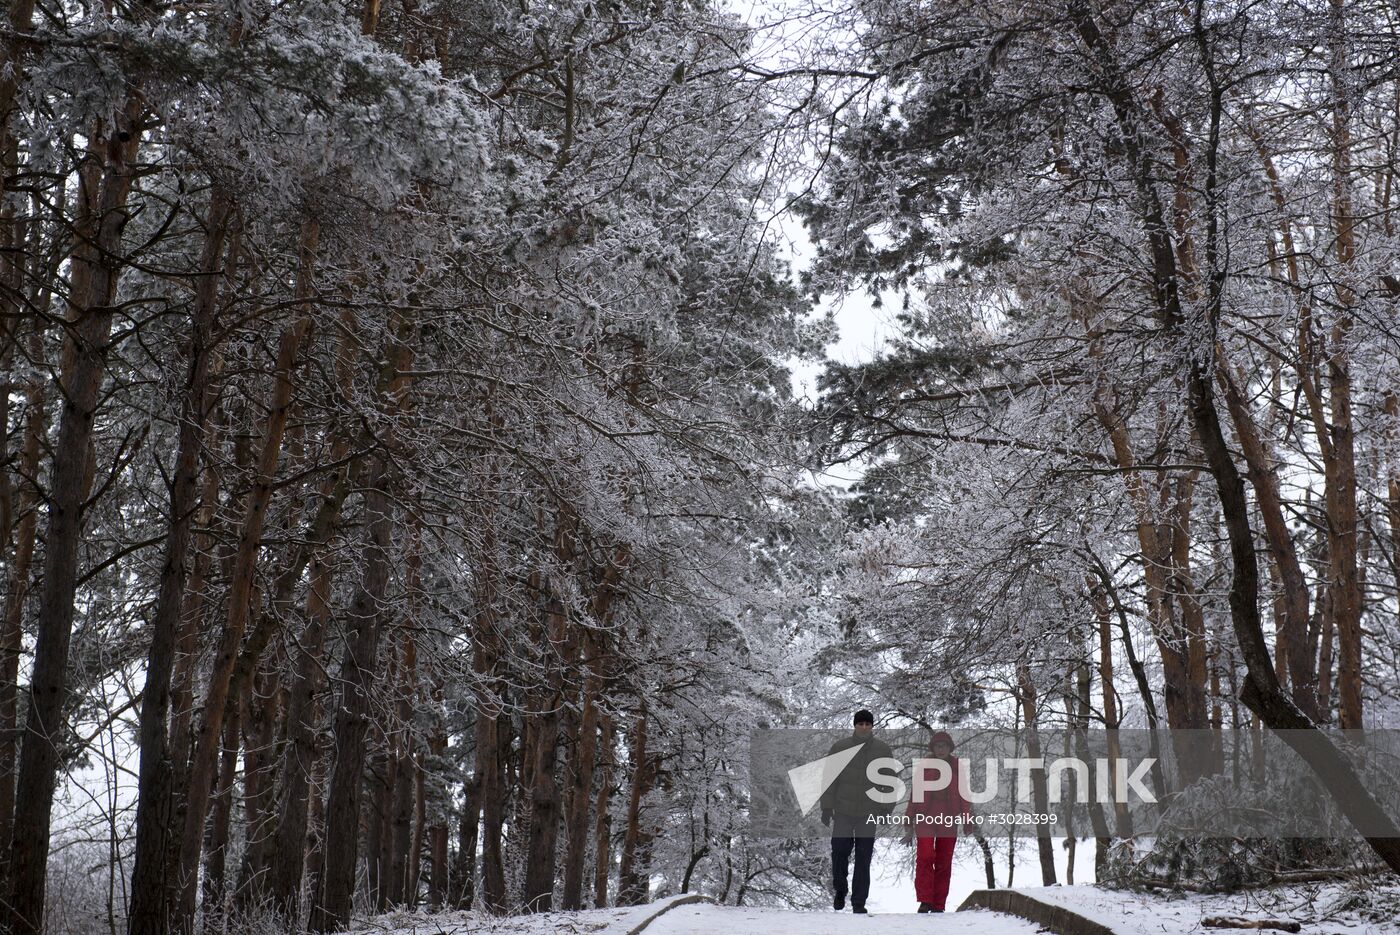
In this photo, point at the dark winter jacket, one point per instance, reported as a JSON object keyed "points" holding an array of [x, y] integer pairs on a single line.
{"points": [[847, 795]]}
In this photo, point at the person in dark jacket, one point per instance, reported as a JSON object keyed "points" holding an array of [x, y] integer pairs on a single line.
{"points": [[935, 822], [848, 810]]}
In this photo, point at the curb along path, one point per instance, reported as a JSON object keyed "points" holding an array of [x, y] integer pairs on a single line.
{"points": [[666, 906], [1057, 919]]}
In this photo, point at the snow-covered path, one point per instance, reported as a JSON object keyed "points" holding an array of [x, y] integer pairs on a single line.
{"points": [[1321, 909], [705, 919]]}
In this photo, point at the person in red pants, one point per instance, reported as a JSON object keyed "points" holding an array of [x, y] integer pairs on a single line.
{"points": [[935, 817]]}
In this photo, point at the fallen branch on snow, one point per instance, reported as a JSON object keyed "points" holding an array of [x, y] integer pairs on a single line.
{"points": [[1239, 922]]}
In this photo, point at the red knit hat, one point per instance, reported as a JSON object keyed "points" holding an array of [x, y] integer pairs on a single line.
{"points": [[944, 736]]}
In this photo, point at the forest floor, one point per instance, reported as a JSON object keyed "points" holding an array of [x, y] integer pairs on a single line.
{"points": [[703, 919], [1320, 909]]}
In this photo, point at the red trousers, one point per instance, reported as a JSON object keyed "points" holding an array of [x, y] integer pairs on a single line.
{"points": [[933, 865]]}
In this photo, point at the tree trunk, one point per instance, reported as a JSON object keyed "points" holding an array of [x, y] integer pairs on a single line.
{"points": [[487, 781], [1081, 705], [299, 752], [400, 824], [259, 793], [1040, 798], [97, 263], [464, 871], [415, 857], [152, 895], [402, 876], [438, 882], [17, 593], [241, 579], [186, 651], [379, 812], [1163, 545], [538, 895], [1342, 525], [1294, 655], [580, 777], [602, 817], [1122, 818], [632, 884], [1159, 783], [217, 830], [593, 652], [331, 905], [545, 798]]}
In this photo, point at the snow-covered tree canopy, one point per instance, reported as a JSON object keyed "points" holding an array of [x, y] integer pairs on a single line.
{"points": [[405, 497]]}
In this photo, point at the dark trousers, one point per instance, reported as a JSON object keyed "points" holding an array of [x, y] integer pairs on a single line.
{"points": [[851, 832]]}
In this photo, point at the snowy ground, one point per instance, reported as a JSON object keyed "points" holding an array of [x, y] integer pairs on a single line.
{"points": [[1321, 910], [727, 920], [588, 922], [701, 919]]}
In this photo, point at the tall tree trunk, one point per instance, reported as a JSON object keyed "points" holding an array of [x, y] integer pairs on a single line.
{"points": [[217, 830], [152, 896], [1162, 545], [17, 593], [1040, 799], [464, 870], [1193, 753], [1341, 478], [403, 876], [411, 768], [1122, 818], [593, 656], [632, 885], [438, 882], [187, 651], [104, 183], [333, 887], [378, 817], [1081, 705], [545, 803], [241, 580], [1392, 411], [316, 821], [544, 806], [259, 791], [331, 905], [1160, 787], [1294, 655], [602, 817], [580, 776], [487, 782], [299, 752], [401, 823], [415, 851]]}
